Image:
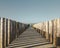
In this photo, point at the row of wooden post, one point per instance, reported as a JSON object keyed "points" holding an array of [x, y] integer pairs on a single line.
{"points": [[50, 30], [9, 30]]}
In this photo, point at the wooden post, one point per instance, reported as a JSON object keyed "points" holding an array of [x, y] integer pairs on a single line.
{"points": [[22, 27], [39, 28], [42, 29], [15, 29], [47, 31], [9, 30], [58, 32], [55, 32], [1, 33], [12, 32], [19, 28], [50, 32], [4, 30]]}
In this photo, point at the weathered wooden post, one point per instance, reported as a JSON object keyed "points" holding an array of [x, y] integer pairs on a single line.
{"points": [[55, 32], [38, 27], [5, 31], [15, 29], [9, 30], [1, 33], [22, 27], [19, 28], [58, 32], [50, 31], [11, 33], [47, 31], [42, 29]]}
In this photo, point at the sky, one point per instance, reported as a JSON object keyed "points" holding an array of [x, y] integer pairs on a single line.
{"points": [[30, 11]]}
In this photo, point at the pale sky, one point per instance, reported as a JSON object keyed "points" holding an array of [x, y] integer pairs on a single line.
{"points": [[30, 11]]}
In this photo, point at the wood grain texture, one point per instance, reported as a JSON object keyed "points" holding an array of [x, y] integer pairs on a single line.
{"points": [[55, 32], [1, 33], [47, 31], [50, 31]]}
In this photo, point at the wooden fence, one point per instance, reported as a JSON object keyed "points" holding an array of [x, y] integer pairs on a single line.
{"points": [[9, 30], [50, 30]]}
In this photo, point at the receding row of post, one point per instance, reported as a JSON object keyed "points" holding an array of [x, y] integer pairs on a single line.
{"points": [[9, 30], [50, 30]]}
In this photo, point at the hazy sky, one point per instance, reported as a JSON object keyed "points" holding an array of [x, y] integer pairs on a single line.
{"points": [[30, 11]]}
